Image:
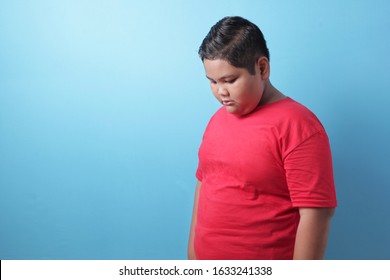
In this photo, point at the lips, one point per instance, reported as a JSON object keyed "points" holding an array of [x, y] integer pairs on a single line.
{"points": [[227, 102]]}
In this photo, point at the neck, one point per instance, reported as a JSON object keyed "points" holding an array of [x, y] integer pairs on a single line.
{"points": [[270, 94]]}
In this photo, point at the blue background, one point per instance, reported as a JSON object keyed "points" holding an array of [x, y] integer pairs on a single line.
{"points": [[103, 105]]}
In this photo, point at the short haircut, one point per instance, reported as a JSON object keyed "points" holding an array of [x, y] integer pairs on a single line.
{"points": [[235, 40]]}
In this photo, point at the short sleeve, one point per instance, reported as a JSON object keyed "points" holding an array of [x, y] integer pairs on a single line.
{"points": [[309, 173], [199, 174]]}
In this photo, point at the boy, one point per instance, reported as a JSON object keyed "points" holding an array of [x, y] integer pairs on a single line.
{"points": [[265, 185]]}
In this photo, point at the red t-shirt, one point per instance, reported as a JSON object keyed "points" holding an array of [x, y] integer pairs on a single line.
{"points": [[256, 171]]}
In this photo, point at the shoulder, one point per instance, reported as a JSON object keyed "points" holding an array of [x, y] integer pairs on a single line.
{"points": [[218, 117], [288, 107], [294, 123], [220, 113], [292, 115]]}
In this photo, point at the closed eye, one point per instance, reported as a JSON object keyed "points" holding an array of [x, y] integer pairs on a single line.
{"points": [[230, 81], [227, 80]]}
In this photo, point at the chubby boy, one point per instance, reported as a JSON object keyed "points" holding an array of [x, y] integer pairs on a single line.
{"points": [[265, 185]]}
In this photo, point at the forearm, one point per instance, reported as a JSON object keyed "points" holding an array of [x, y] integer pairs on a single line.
{"points": [[191, 250], [312, 233]]}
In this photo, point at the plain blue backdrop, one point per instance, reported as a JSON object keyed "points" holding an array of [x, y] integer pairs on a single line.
{"points": [[103, 105]]}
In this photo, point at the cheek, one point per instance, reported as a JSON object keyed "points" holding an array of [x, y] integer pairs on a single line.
{"points": [[255, 91], [243, 93], [214, 91]]}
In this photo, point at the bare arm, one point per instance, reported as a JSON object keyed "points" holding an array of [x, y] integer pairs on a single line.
{"points": [[191, 251], [312, 233]]}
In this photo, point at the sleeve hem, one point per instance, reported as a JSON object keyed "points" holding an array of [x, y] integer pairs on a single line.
{"points": [[198, 175], [316, 204]]}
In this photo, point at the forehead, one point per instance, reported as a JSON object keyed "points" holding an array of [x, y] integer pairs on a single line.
{"points": [[219, 68]]}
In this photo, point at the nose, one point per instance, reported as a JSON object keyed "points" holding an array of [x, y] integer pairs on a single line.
{"points": [[222, 91]]}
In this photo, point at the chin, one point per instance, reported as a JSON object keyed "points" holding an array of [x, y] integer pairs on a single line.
{"points": [[231, 109], [237, 112], [234, 111]]}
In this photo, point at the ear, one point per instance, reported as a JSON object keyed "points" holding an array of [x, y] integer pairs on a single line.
{"points": [[263, 67]]}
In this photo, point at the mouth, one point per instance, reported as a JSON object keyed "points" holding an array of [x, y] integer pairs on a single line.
{"points": [[227, 102]]}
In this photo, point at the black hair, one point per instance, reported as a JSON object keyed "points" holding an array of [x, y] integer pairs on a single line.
{"points": [[236, 40]]}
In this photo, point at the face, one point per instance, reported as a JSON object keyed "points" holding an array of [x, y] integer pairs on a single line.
{"points": [[236, 89]]}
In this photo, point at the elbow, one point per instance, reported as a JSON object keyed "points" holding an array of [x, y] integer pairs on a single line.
{"points": [[331, 212]]}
